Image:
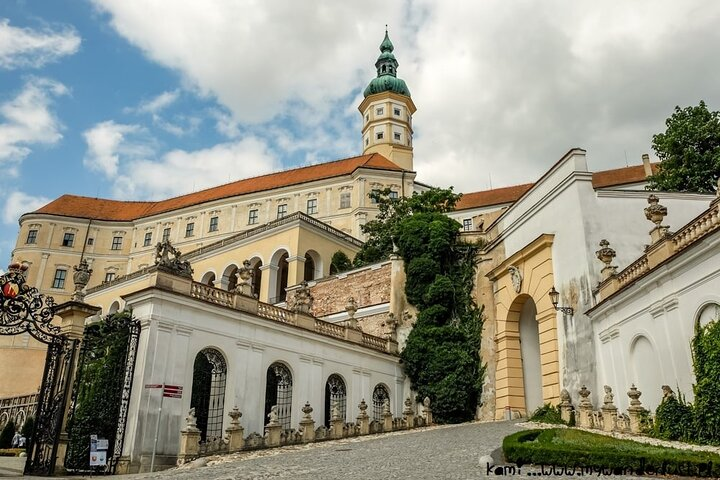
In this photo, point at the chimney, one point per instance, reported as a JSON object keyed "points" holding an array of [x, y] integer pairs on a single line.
{"points": [[646, 165]]}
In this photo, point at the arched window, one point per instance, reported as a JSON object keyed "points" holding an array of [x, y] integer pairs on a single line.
{"points": [[114, 307], [19, 420], [278, 392], [229, 280], [208, 392], [335, 392], [257, 278], [208, 279], [708, 313], [380, 394], [282, 279], [309, 268]]}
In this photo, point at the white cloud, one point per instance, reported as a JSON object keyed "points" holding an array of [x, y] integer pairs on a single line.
{"points": [[181, 171], [25, 47], [28, 120], [105, 142], [17, 203], [158, 103], [502, 88]]}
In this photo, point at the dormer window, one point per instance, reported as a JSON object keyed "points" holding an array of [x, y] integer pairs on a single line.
{"points": [[379, 111]]}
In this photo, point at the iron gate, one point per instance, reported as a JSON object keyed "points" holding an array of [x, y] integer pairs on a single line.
{"points": [[23, 309]]}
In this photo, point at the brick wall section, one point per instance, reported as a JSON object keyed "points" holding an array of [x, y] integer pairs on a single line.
{"points": [[374, 324], [369, 286]]}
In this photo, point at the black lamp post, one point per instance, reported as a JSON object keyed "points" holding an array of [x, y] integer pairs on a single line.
{"points": [[555, 298]]}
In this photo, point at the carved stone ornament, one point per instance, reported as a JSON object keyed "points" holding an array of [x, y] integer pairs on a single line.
{"points": [[363, 407], [351, 307], [515, 277], [386, 407], [605, 254], [81, 277], [608, 398], [169, 259], [303, 300], [191, 421], [667, 393], [235, 415], [244, 274], [273, 417], [426, 402], [565, 397], [634, 395], [584, 394], [307, 410], [655, 212]]}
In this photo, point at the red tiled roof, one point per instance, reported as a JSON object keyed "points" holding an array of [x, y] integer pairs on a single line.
{"points": [[603, 179], [116, 210]]}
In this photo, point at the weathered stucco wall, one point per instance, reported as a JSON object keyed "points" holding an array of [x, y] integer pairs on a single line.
{"points": [[369, 286]]}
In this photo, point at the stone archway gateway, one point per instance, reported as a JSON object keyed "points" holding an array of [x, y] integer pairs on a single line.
{"points": [[523, 363], [24, 310]]}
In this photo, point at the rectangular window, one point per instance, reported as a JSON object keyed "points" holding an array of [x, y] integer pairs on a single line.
{"points": [[312, 206], [374, 200], [59, 279], [344, 200], [116, 243], [396, 111], [397, 136], [393, 195], [282, 210], [213, 224], [367, 118], [32, 236], [379, 135], [166, 234], [148, 239], [252, 217], [189, 229], [467, 224], [68, 240], [379, 111], [109, 277], [90, 241]]}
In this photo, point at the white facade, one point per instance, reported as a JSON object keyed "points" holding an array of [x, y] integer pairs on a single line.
{"points": [[176, 327], [644, 331]]}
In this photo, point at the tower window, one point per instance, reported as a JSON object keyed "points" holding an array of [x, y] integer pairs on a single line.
{"points": [[344, 200], [396, 112], [384, 68], [367, 117], [373, 199], [252, 217], [379, 135], [109, 277], [31, 237], [68, 240], [190, 229], [148, 239], [166, 234], [59, 278], [312, 207], [116, 243], [367, 141], [213, 224], [397, 136], [467, 224], [379, 111], [282, 210], [90, 241]]}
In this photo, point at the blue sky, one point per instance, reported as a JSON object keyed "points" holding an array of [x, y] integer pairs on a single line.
{"points": [[149, 99]]}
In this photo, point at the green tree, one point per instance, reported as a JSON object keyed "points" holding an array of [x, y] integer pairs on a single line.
{"points": [[7, 434], [689, 151], [391, 211], [27, 428], [340, 262]]}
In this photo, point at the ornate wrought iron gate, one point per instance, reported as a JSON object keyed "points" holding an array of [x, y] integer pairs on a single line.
{"points": [[25, 310]]}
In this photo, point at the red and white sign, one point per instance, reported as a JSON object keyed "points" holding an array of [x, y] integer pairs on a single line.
{"points": [[172, 391]]}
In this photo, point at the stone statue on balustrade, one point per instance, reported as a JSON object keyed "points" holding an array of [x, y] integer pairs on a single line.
{"points": [[302, 301], [244, 276], [169, 259], [81, 277]]}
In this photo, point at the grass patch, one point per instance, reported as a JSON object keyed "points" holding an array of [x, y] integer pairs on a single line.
{"points": [[593, 453]]}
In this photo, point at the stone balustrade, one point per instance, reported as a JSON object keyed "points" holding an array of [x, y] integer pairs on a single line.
{"points": [[274, 436]]}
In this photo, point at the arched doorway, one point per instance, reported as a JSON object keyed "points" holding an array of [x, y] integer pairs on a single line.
{"points": [[279, 279], [257, 276], [530, 354], [208, 392], [208, 279], [229, 280], [380, 394], [335, 392], [278, 392], [648, 380], [313, 267]]}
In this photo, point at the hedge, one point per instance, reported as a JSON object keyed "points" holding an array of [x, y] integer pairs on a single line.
{"points": [[593, 453]]}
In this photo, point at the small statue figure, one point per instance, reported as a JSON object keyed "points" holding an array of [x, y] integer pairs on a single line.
{"points": [[244, 277], [81, 277], [174, 265], [273, 416], [608, 399], [667, 393], [303, 300]]}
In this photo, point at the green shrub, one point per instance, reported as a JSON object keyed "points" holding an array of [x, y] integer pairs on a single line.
{"points": [[547, 414], [7, 434], [27, 428], [674, 420], [340, 262], [706, 363], [600, 453]]}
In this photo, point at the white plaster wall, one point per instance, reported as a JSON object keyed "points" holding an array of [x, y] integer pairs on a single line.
{"points": [[661, 307], [176, 328]]}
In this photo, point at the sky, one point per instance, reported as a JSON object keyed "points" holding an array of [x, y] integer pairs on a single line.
{"points": [[149, 99]]}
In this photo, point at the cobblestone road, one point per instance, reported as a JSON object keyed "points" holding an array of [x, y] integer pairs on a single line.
{"points": [[446, 452]]}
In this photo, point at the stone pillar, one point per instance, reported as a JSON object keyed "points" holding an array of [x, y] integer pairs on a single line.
{"points": [[235, 431], [387, 416], [296, 270], [336, 422], [72, 326], [363, 419], [273, 429], [609, 410], [267, 270], [566, 407], [636, 410], [409, 414], [586, 408], [427, 411], [189, 439], [307, 424]]}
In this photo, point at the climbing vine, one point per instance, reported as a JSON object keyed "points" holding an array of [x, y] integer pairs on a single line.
{"points": [[706, 362], [99, 388]]}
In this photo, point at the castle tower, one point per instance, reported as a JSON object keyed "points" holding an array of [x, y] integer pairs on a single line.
{"points": [[387, 112]]}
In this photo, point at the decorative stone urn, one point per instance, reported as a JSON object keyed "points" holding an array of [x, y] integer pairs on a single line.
{"points": [[351, 308], [606, 255]]}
